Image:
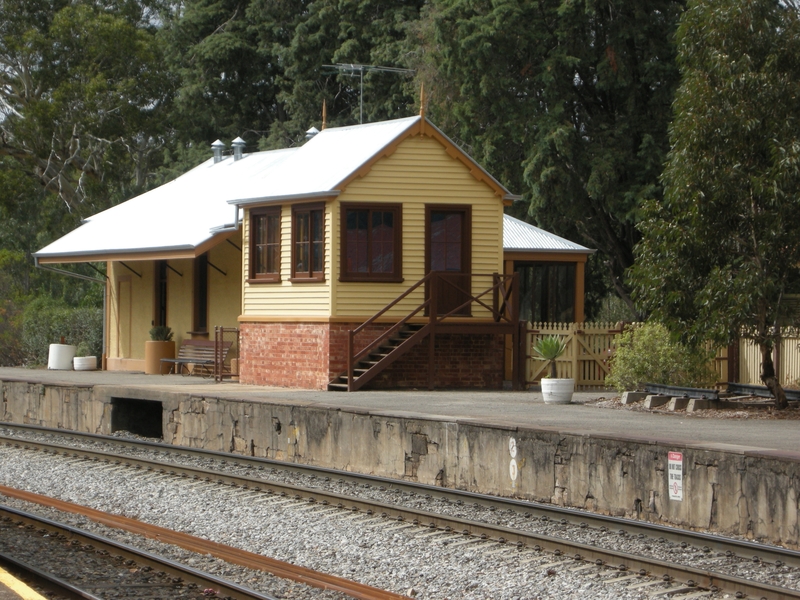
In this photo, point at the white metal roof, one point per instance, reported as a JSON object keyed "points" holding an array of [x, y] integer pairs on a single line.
{"points": [[188, 211], [179, 215], [519, 236]]}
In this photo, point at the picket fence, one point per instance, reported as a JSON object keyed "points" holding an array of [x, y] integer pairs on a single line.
{"points": [[589, 346]]}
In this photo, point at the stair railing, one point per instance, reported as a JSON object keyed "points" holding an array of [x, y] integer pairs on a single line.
{"points": [[504, 307]]}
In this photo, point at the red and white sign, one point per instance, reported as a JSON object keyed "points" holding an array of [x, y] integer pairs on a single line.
{"points": [[675, 475]]}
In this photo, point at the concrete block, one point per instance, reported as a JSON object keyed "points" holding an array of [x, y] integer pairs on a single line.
{"points": [[655, 400], [699, 404], [678, 403], [631, 397]]}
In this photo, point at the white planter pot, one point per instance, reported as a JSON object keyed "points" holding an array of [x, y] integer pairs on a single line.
{"points": [[60, 357], [85, 363], [557, 391]]}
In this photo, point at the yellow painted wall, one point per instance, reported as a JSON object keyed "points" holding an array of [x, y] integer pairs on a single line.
{"points": [[419, 172], [286, 299], [131, 302], [225, 291], [131, 309], [180, 289]]}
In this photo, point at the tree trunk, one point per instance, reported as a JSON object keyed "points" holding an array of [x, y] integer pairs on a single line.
{"points": [[769, 378]]}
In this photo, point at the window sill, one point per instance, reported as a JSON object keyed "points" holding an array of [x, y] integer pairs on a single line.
{"points": [[260, 281], [307, 279], [356, 279]]}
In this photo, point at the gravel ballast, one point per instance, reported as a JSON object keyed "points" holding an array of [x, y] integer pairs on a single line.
{"points": [[405, 560]]}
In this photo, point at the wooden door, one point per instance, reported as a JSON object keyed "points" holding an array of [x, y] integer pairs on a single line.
{"points": [[448, 251]]}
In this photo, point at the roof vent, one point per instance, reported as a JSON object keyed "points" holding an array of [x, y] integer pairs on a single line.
{"points": [[238, 148], [311, 133], [218, 147]]}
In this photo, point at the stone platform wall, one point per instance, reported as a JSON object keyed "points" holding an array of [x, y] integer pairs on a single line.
{"points": [[754, 494]]}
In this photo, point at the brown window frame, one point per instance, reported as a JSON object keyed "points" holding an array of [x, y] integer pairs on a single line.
{"points": [[271, 211], [309, 276], [396, 276]]}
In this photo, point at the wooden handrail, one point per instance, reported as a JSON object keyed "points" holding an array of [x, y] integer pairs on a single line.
{"points": [[503, 287]]}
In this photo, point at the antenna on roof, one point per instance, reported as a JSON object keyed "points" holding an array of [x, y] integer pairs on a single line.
{"points": [[324, 114], [352, 69]]}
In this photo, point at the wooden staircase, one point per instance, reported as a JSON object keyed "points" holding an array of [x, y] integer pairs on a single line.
{"points": [[408, 336], [397, 340]]}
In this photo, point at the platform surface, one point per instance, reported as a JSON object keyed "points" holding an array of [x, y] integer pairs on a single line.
{"points": [[503, 408], [12, 588]]}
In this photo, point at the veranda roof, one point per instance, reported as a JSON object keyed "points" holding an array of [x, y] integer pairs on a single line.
{"points": [[519, 236]]}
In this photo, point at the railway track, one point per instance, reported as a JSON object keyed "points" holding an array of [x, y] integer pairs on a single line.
{"points": [[550, 551], [79, 564]]}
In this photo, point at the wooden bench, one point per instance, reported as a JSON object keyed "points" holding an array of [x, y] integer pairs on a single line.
{"points": [[195, 353]]}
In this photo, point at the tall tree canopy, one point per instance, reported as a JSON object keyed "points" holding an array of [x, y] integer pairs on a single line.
{"points": [[720, 254], [255, 67], [568, 101], [83, 95]]}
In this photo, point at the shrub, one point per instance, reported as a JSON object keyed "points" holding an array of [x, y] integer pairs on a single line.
{"points": [[46, 321], [647, 354]]}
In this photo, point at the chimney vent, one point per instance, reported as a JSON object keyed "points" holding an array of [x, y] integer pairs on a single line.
{"points": [[238, 148], [217, 147], [311, 133]]}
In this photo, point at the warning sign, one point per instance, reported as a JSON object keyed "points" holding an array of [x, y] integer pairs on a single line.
{"points": [[675, 475]]}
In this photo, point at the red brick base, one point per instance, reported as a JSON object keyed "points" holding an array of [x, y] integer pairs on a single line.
{"points": [[309, 355]]}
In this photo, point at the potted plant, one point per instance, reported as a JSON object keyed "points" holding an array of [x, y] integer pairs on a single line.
{"points": [[160, 346], [555, 390], [83, 361]]}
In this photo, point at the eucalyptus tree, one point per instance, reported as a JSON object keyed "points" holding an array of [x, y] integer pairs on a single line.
{"points": [[722, 252], [83, 96]]}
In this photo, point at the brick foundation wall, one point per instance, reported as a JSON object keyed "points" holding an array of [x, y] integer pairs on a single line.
{"points": [[460, 361], [309, 355], [284, 354]]}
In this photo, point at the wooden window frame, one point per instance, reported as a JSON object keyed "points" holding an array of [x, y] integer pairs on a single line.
{"points": [[264, 277], [311, 276], [396, 276]]}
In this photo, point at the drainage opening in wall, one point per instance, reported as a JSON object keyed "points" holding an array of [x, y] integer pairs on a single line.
{"points": [[142, 417]]}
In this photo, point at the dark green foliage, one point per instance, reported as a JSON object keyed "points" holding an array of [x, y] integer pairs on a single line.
{"points": [[720, 254], [46, 321], [161, 333], [567, 102], [255, 68]]}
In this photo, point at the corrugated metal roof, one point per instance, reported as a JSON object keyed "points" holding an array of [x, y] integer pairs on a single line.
{"points": [[179, 215], [520, 236], [184, 213]]}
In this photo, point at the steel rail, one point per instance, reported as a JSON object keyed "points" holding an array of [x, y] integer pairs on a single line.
{"points": [[571, 516], [189, 542], [503, 535], [171, 567], [45, 579]]}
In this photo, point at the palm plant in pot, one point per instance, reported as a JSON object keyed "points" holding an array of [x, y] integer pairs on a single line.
{"points": [[160, 346], [555, 390]]}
